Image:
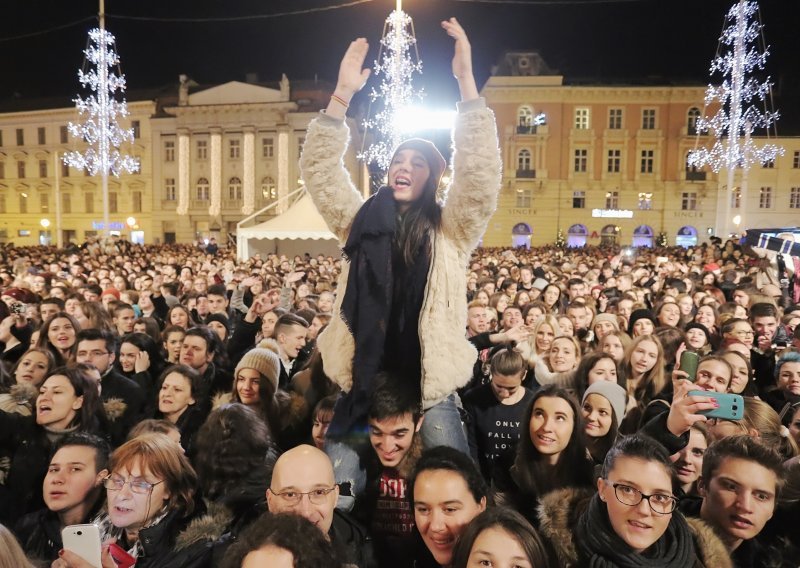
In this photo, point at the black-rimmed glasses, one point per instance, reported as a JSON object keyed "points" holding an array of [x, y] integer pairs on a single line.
{"points": [[660, 503]]}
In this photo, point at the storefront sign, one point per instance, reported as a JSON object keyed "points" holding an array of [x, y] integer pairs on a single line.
{"points": [[688, 214], [612, 213], [114, 225]]}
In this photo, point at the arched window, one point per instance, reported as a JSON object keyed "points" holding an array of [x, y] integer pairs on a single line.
{"points": [[235, 189], [268, 190], [524, 116], [202, 189], [524, 159], [691, 120]]}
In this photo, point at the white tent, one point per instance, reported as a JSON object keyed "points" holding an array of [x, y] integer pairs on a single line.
{"points": [[299, 230]]}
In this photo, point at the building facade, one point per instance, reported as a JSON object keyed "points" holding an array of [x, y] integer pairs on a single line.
{"points": [[223, 153], [609, 165]]}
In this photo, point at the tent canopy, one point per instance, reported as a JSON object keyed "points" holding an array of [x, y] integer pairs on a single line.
{"points": [[299, 230]]}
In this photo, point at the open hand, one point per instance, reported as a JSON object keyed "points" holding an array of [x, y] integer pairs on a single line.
{"points": [[462, 59], [352, 75]]}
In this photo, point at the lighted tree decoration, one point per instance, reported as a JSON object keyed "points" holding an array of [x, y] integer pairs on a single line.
{"points": [[743, 100], [396, 67], [100, 110]]}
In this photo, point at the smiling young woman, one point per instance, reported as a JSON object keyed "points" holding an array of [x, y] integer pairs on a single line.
{"points": [[632, 519]]}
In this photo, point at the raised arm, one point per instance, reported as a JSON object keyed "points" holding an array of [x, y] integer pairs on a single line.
{"points": [[322, 161], [472, 196], [462, 60], [352, 78]]}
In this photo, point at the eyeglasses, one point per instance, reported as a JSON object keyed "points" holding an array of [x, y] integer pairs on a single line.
{"points": [[116, 483], [316, 496], [660, 503]]}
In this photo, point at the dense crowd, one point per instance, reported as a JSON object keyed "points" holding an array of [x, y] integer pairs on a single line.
{"points": [[415, 402], [171, 392]]}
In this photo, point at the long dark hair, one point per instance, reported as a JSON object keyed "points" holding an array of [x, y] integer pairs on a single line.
{"points": [[530, 471], [415, 225], [91, 413]]}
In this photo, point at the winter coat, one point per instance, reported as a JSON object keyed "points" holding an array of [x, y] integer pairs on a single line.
{"points": [[176, 543], [447, 356], [560, 510]]}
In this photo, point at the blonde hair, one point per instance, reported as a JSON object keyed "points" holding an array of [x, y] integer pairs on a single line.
{"points": [[546, 319], [11, 553], [762, 418], [652, 381]]}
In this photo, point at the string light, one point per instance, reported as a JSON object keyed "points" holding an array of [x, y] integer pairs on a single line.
{"points": [[100, 129], [396, 68], [739, 96]]}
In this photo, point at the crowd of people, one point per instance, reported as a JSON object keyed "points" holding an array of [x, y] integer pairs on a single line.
{"points": [[415, 402]]}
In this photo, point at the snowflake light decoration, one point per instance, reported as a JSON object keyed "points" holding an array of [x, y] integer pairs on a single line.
{"points": [[396, 91], [740, 96], [100, 130]]}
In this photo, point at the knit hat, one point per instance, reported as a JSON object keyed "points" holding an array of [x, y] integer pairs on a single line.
{"points": [[20, 295], [435, 160], [219, 318], [611, 318], [701, 327], [640, 314], [613, 393], [110, 292], [264, 359]]}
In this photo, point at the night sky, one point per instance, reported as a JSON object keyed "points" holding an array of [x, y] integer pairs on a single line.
{"points": [[633, 41]]}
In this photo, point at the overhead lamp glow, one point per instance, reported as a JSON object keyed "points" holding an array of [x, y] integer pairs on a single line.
{"points": [[45, 223], [415, 119]]}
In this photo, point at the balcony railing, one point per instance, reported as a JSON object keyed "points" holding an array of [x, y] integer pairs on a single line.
{"points": [[526, 174], [529, 129]]}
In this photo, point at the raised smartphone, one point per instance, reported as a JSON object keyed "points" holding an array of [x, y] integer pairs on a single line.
{"points": [[688, 363], [731, 406], [83, 540]]}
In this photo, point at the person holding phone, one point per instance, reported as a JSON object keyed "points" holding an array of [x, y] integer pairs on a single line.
{"points": [[402, 307], [150, 501], [672, 414]]}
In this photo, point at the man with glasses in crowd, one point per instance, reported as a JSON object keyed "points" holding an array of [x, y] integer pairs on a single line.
{"points": [[303, 484]]}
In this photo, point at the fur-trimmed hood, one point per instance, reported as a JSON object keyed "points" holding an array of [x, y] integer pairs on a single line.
{"points": [[221, 399], [115, 408], [208, 527], [20, 399], [560, 510]]}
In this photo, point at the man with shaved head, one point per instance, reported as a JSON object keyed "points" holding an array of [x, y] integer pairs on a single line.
{"points": [[303, 484]]}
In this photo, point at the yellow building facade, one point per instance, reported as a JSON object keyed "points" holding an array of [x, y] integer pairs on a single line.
{"points": [[219, 142], [609, 165]]}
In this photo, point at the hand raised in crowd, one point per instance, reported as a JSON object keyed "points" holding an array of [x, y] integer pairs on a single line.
{"points": [[250, 281], [142, 362], [352, 77], [684, 409], [518, 333], [462, 60], [262, 304], [293, 277]]}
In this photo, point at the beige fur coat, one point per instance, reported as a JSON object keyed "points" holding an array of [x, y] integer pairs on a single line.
{"points": [[447, 357]]}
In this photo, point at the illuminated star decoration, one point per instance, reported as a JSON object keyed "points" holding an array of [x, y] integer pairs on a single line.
{"points": [[396, 68], [100, 129], [739, 96]]}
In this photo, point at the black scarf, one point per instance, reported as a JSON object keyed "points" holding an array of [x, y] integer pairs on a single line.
{"points": [[368, 302], [600, 547]]}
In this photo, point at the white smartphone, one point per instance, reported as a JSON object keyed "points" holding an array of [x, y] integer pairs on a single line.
{"points": [[83, 540]]}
